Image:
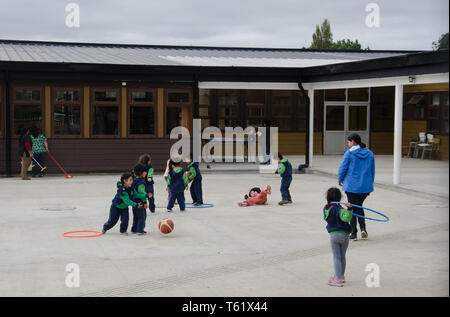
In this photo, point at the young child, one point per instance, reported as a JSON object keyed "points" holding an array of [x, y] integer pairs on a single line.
{"points": [[338, 227], [196, 186], [256, 197], [120, 203], [140, 195], [285, 171], [146, 160], [177, 182]]}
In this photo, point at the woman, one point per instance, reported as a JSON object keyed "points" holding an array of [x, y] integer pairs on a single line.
{"points": [[25, 150], [356, 175], [40, 148]]}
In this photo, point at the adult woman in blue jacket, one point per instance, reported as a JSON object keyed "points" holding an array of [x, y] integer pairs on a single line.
{"points": [[356, 175]]}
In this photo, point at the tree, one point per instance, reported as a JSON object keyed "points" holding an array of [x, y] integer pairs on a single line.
{"points": [[442, 43], [322, 38]]}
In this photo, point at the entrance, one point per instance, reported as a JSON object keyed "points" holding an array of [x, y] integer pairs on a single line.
{"points": [[342, 119]]}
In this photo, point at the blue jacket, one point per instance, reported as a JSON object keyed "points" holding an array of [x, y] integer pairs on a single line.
{"points": [[337, 218], [123, 197], [177, 180], [195, 172], [357, 170], [139, 190]]}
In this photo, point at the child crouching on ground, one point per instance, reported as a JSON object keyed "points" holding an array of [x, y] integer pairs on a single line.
{"points": [[338, 226], [120, 203]]}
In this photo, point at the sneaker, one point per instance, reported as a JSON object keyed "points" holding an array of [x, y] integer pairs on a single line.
{"points": [[353, 237], [169, 210], [335, 282], [141, 233], [124, 233], [364, 234], [103, 231], [133, 232], [283, 202], [289, 201]]}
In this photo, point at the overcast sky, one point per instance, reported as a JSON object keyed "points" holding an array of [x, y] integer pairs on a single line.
{"points": [[404, 24]]}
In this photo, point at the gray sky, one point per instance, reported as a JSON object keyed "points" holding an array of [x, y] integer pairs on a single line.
{"points": [[404, 25]]}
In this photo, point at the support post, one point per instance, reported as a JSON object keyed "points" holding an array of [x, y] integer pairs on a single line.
{"points": [[311, 125], [398, 122]]}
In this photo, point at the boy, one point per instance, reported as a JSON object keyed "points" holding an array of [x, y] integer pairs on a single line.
{"points": [[140, 195], [196, 186], [177, 182], [120, 203], [285, 171], [146, 160]]}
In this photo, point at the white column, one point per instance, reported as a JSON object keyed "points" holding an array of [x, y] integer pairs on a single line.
{"points": [[311, 125], [398, 122]]}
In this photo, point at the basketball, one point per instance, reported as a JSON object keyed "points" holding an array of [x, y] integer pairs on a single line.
{"points": [[165, 226]]}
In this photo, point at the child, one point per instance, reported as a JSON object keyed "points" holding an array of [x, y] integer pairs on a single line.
{"points": [[196, 186], [257, 197], [338, 227], [146, 159], [120, 203], [140, 195], [285, 171], [177, 182]]}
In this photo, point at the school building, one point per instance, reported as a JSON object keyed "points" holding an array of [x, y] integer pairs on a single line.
{"points": [[102, 105]]}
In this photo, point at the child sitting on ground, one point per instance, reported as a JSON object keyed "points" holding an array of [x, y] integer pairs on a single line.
{"points": [[256, 197], [120, 203]]}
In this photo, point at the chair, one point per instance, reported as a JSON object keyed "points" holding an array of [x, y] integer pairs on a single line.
{"points": [[420, 144], [428, 146], [434, 148], [412, 146]]}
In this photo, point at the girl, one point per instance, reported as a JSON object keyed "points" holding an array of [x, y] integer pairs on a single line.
{"points": [[177, 182], [146, 160], [120, 203], [139, 196], [356, 175], [256, 197], [338, 227]]}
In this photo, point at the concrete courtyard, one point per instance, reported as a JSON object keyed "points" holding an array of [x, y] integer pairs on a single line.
{"points": [[226, 250]]}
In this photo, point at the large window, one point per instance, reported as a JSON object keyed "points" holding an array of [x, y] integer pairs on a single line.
{"points": [[382, 107], [414, 106], [204, 107], [28, 107], [105, 111], [178, 105], [142, 105], [437, 113], [255, 106], [282, 110], [301, 111], [228, 108], [67, 111]]}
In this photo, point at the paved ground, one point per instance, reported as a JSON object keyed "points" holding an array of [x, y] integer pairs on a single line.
{"points": [[226, 250]]}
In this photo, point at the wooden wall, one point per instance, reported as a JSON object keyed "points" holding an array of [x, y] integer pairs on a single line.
{"points": [[382, 143], [293, 143], [97, 154]]}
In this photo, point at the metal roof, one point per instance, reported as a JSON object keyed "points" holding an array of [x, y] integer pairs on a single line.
{"points": [[119, 54]]}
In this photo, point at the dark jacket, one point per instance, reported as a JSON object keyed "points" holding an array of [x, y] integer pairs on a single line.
{"points": [[24, 139], [177, 180], [337, 218], [123, 197]]}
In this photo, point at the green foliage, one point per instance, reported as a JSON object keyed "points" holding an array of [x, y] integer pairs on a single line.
{"points": [[442, 43]]}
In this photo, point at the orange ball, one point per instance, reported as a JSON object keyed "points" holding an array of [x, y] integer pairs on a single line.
{"points": [[165, 225]]}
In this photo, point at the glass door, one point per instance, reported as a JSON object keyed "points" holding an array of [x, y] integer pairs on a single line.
{"points": [[334, 128]]}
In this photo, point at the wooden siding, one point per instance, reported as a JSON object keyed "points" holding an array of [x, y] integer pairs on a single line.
{"points": [[97, 154], [293, 143], [426, 87], [382, 143]]}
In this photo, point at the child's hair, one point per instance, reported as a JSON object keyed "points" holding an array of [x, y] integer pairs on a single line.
{"points": [[145, 159], [139, 169], [254, 189], [280, 156], [355, 137], [125, 176], [172, 164], [333, 194]]}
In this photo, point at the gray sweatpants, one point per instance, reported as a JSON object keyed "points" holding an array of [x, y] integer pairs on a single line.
{"points": [[339, 244]]}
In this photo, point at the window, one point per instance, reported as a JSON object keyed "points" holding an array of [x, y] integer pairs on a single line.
{"points": [[382, 107], [178, 107], [67, 111], [358, 94], [228, 108], [335, 95], [282, 110], [105, 112], [301, 111], [255, 106], [28, 107], [437, 113], [142, 112], [204, 107], [414, 106]]}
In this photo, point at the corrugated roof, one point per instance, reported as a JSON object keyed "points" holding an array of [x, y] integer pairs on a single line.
{"points": [[118, 54]]}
